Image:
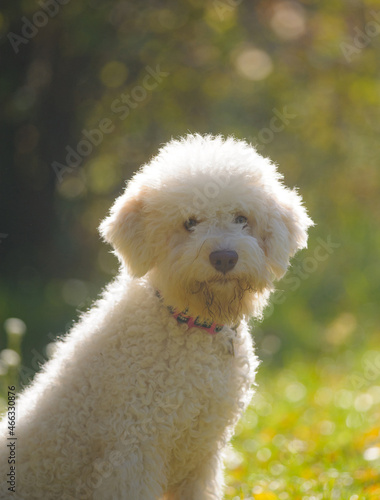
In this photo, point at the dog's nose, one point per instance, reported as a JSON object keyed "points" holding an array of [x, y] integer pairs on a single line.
{"points": [[224, 260]]}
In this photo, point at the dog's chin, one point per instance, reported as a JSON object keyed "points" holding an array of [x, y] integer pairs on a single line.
{"points": [[222, 299]]}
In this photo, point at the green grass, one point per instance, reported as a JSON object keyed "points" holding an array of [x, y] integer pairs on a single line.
{"points": [[312, 432]]}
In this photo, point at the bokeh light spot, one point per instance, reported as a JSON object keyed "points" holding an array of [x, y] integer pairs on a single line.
{"points": [[14, 326], [71, 187], [288, 20], [295, 392], [102, 174], [74, 292], [254, 64], [113, 74]]}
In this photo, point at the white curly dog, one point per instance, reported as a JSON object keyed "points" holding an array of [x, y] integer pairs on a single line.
{"points": [[141, 397]]}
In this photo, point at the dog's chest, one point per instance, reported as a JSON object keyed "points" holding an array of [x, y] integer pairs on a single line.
{"points": [[208, 366], [213, 376]]}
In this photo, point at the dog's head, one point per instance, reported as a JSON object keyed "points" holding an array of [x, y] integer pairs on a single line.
{"points": [[210, 221]]}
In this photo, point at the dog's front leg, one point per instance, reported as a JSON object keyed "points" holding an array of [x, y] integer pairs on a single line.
{"points": [[140, 476], [204, 483]]}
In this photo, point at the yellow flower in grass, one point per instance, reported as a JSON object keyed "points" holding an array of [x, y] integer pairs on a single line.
{"points": [[265, 495]]}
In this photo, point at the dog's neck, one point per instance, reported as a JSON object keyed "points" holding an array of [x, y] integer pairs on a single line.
{"points": [[184, 318]]}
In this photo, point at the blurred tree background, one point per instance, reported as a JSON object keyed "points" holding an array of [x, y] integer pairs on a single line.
{"points": [[89, 89], [299, 79]]}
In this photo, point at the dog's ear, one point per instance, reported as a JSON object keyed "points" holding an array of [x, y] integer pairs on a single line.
{"points": [[286, 230], [125, 230]]}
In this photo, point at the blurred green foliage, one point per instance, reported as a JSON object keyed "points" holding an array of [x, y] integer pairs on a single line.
{"points": [[299, 79]]}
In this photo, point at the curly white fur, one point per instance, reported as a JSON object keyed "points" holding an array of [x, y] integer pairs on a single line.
{"points": [[134, 405]]}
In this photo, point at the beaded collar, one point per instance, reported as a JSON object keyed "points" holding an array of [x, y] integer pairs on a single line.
{"points": [[183, 317]]}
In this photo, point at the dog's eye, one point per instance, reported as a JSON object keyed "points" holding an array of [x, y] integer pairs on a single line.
{"points": [[241, 219], [190, 224]]}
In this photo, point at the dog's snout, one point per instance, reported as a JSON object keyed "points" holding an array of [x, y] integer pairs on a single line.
{"points": [[224, 260]]}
